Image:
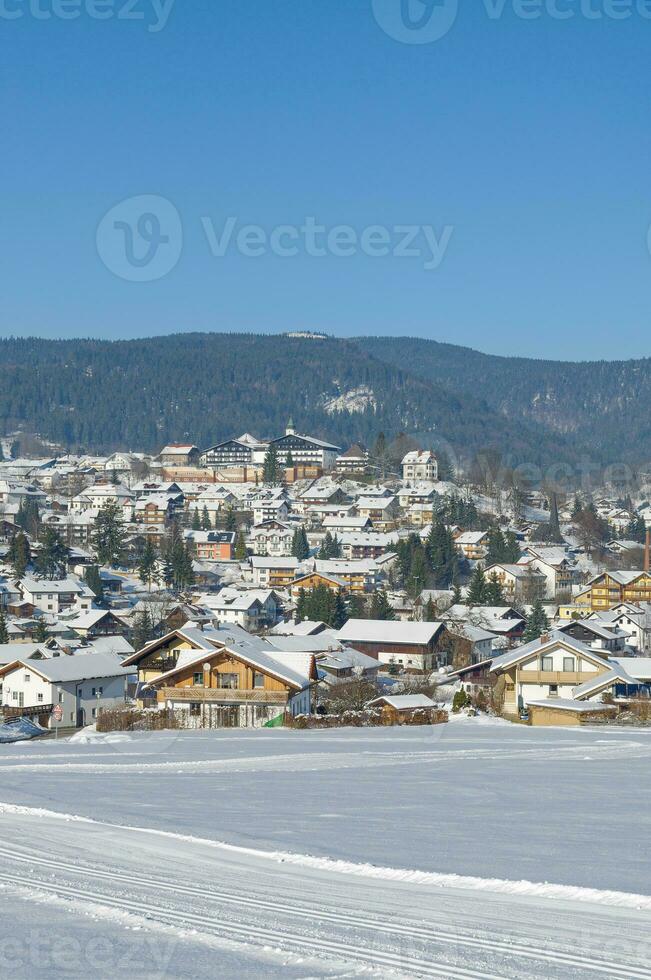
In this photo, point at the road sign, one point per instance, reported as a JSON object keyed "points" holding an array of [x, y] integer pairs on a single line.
{"points": [[57, 712]]}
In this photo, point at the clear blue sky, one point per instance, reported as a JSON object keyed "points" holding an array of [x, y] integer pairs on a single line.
{"points": [[531, 139]]}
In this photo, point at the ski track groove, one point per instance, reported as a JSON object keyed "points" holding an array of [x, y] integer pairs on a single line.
{"points": [[292, 942], [442, 935]]}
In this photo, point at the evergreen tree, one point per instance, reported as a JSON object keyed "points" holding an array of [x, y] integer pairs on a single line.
{"points": [[300, 544], [41, 634], [442, 552], [457, 597], [340, 612], [52, 556], [19, 555], [356, 607], [494, 593], [4, 635], [326, 545], [147, 563], [301, 606], [429, 612], [496, 553], [230, 523], [108, 535], [143, 630], [206, 524], [289, 462], [196, 520], [477, 587], [418, 573], [537, 624], [381, 607], [94, 581], [512, 551], [271, 469], [241, 552]]}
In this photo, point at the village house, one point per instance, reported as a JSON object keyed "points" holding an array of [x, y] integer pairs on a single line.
{"points": [[361, 575], [243, 684], [608, 640], [555, 670], [473, 545], [54, 596], [305, 450], [211, 545], [270, 507], [347, 525], [611, 588], [417, 646], [179, 454], [158, 509], [354, 460], [365, 544], [419, 465], [82, 685], [382, 512], [273, 573], [314, 579], [520, 583], [99, 494], [633, 620], [252, 609], [555, 565], [271, 538]]}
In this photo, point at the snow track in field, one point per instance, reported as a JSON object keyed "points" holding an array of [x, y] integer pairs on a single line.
{"points": [[438, 933], [545, 890], [317, 761]]}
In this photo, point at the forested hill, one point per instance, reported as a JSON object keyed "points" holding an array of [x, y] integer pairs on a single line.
{"points": [[602, 407], [102, 395]]}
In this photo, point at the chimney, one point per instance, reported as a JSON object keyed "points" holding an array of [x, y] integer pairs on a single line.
{"points": [[544, 639], [647, 552]]}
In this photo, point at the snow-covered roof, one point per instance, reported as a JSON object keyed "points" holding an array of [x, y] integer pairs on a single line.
{"points": [[567, 704], [81, 667], [601, 681], [379, 631], [638, 668], [403, 702], [541, 647]]}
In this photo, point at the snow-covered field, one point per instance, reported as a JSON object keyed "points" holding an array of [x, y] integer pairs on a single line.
{"points": [[474, 849]]}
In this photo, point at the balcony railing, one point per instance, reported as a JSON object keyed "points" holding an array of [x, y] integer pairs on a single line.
{"points": [[221, 695]]}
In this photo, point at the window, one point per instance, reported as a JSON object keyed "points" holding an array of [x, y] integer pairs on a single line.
{"points": [[195, 709], [547, 663], [14, 695], [229, 681], [569, 665], [197, 680], [27, 678], [258, 679], [553, 690], [39, 698]]}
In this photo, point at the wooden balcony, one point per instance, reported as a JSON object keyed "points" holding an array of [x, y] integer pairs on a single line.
{"points": [[554, 677], [221, 695]]}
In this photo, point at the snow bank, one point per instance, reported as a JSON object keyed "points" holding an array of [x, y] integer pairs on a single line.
{"points": [[545, 890]]}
